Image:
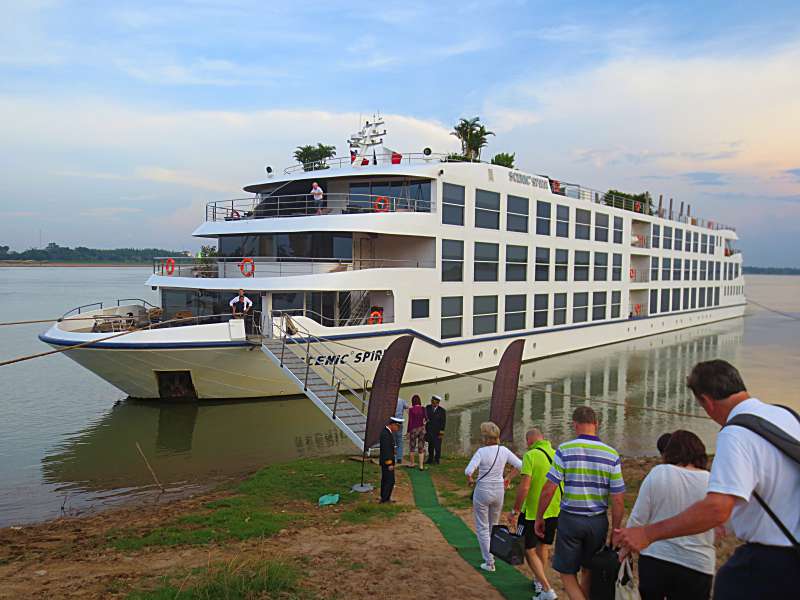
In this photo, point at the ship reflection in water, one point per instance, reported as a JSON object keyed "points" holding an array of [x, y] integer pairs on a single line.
{"points": [[189, 444]]}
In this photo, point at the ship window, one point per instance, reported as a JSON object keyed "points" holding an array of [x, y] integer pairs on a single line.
{"points": [[704, 244], [202, 303], [696, 242], [617, 230], [688, 243], [542, 218], [287, 301], [667, 238], [655, 235], [516, 263], [599, 306], [653, 268], [452, 204], [540, 310], [515, 312], [452, 260], [562, 220], [581, 267], [542, 264], [517, 214], [487, 209], [694, 269], [452, 313], [678, 239], [583, 222], [484, 314], [486, 260], [559, 309], [716, 296], [703, 271], [330, 245], [420, 308], [685, 298], [676, 299], [653, 302], [580, 307], [711, 244], [694, 297], [717, 271], [687, 268], [600, 227], [600, 266], [616, 300], [666, 267], [701, 292], [664, 300], [562, 264], [616, 271], [676, 269]]}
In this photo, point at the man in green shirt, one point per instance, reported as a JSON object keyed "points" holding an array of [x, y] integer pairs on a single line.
{"points": [[535, 465]]}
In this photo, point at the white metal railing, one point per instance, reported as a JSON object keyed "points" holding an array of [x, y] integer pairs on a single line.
{"points": [[413, 158]]}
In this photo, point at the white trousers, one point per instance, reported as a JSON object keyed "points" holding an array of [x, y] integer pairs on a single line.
{"points": [[487, 505]]}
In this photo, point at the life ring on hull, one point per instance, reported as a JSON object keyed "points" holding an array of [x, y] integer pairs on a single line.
{"points": [[381, 204], [235, 214], [375, 318], [637, 309], [169, 266], [247, 271], [632, 274]]}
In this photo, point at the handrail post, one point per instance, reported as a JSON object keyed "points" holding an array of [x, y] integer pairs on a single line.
{"points": [[336, 400], [308, 361]]}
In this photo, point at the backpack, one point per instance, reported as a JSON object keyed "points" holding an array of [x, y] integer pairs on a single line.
{"points": [[783, 442]]}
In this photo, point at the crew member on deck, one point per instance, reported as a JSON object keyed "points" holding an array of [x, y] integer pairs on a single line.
{"points": [[387, 458], [240, 308]]}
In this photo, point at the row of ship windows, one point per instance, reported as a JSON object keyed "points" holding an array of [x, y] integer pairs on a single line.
{"points": [[693, 270], [674, 239], [683, 299]]}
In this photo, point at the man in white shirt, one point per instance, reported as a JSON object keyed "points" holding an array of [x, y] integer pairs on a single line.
{"points": [[317, 193], [746, 466], [240, 305]]}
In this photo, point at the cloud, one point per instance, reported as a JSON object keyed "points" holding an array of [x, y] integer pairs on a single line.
{"points": [[199, 71], [106, 212], [184, 178], [793, 173], [704, 178]]}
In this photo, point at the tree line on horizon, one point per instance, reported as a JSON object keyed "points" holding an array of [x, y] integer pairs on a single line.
{"points": [[55, 253]]}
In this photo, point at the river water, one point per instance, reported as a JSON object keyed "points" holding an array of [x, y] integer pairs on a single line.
{"points": [[68, 439]]}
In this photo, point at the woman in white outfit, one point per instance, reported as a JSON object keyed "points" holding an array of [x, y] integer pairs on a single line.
{"points": [[490, 486]]}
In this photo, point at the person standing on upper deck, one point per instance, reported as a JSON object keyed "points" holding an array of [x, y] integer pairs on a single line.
{"points": [[240, 305], [317, 193]]}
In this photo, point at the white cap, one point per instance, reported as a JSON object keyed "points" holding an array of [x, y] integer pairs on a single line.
{"points": [[435, 397]]}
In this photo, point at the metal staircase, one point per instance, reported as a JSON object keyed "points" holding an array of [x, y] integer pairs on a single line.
{"points": [[338, 394]]}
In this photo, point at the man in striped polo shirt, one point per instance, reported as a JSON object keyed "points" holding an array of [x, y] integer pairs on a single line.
{"points": [[591, 473]]}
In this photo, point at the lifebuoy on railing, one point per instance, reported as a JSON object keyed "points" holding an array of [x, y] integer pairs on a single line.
{"points": [[375, 318], [637, 309], [637, 207], [632, 273], [169, 266], [235, 214], [381, 204], [247, 267]]}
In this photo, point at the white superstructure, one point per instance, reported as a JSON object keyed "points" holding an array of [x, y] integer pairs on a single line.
{"points": [[467, 257]]}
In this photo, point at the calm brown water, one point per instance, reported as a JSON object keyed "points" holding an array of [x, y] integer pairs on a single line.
{"points": [[69, 439]]}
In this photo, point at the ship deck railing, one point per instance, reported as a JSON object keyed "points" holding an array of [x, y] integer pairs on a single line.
{"points": [[304, 205], [272, 266]]}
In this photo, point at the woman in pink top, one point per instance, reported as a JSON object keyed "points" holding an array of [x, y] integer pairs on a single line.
{"points": [[416, 431]]}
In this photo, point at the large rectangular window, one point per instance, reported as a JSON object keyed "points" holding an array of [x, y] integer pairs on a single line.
{"points": [[617, 230], [485, 261], [676, 269], [600, 227], [484, 314], [616, 301], [598, 306], [583, 224], [559, 309], [701, 293], [716, 296], [540, 310], [542, 270], [616, 269], [452, 315], [703, 271], [655, 235], [685, 298], [687, 270], [487, 209], [542, 218], [694, 269], [664, 300], [562, 220], [653, 302], [687, 247], [694, 297], [717, 270], [580, 307], [666, 266], [517, 214], [452, 260], [516, 263], [452, 204], [600, 266], [562, 264], [695, 242], [711, 244], [676, 299], [581, 268], [515, 312], [420, 308], [653, 268], [678, 239], [667, 238]]}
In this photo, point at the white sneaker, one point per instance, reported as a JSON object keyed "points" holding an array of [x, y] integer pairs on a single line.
{"points": [[548, 595], [487, 567], [537, 588]]}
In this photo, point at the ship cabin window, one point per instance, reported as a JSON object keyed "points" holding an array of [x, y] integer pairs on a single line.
{"points": [[402, 195], [540, 302], [653, 302], [516, 263], [542, 218], [694, 297], [559, 309], [580, 307], [711, 245], [664, 300], [420, 308], [736, 271], [666, 266], [718, 271], [687, 247], [701, 293], [667, 238], [562, 264], [694, 269], [687, 268], [695, 242], [487, 209], [486, 261], [600, 266], [616, 269], [685, 298], [616, 301], [583, 224], [581, 268], [676, 269], [704, 244], [452, 204], [484, 314], [515, 312], [319, 244], [655, 236], [653, 268], [517, 214], [703, 271], [213, 304], [452, 314], [562, 221], [542, 271], [600, 227], [676, 299], [617, 230], [599, 306], [452, 260], [678, 239], [716, 296]]}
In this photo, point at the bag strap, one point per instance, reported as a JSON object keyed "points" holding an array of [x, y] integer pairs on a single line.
{"points": [[492, 467], [550, 460]]}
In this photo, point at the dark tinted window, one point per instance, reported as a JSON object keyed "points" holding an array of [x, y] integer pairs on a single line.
{"points": [[452, 204], [487, 209], [420, 308], [583, 221], [517, 214]]}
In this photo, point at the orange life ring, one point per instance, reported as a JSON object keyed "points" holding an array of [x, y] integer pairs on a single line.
{"points": [[170, 266], [632, 273], [247, 272], [235, 214], [637, 207], [381, 204], [375, 318], [637, 309]]}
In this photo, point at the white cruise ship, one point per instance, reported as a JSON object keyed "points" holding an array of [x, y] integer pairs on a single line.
{"points": [[466, 257]]}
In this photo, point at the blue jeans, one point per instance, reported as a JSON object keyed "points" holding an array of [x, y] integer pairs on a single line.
{"points": [[398, 445]]}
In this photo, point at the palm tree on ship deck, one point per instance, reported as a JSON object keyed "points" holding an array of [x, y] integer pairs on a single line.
{"points": [[314, 157], [473, 137]]}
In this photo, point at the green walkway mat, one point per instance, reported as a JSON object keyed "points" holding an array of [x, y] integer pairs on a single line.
{"points": [[506, 579]]}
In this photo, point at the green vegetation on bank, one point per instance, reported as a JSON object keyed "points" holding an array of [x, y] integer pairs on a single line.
{"points": [[55, 253]]}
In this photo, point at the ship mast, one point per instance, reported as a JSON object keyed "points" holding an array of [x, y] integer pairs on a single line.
{"points": [[364, 143]]}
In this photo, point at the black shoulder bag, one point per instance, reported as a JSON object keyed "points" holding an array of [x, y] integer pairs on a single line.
{"points": [[550, 460]]}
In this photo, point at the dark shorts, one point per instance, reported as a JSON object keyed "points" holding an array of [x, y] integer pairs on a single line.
{"points": [[579, 538], [757, 571], [525, 527], [659, 579]]}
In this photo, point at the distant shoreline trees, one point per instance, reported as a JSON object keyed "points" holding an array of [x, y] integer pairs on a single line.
{"points": [[80, 254]]}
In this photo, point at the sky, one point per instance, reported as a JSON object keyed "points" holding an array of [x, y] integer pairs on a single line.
{"points": [[119, 121]]}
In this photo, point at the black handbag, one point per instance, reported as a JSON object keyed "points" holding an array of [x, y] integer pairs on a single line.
{"points": [[507, 546], [604, 567]]}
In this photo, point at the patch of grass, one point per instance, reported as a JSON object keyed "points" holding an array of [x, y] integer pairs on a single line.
{"points": [[363, 513]]}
